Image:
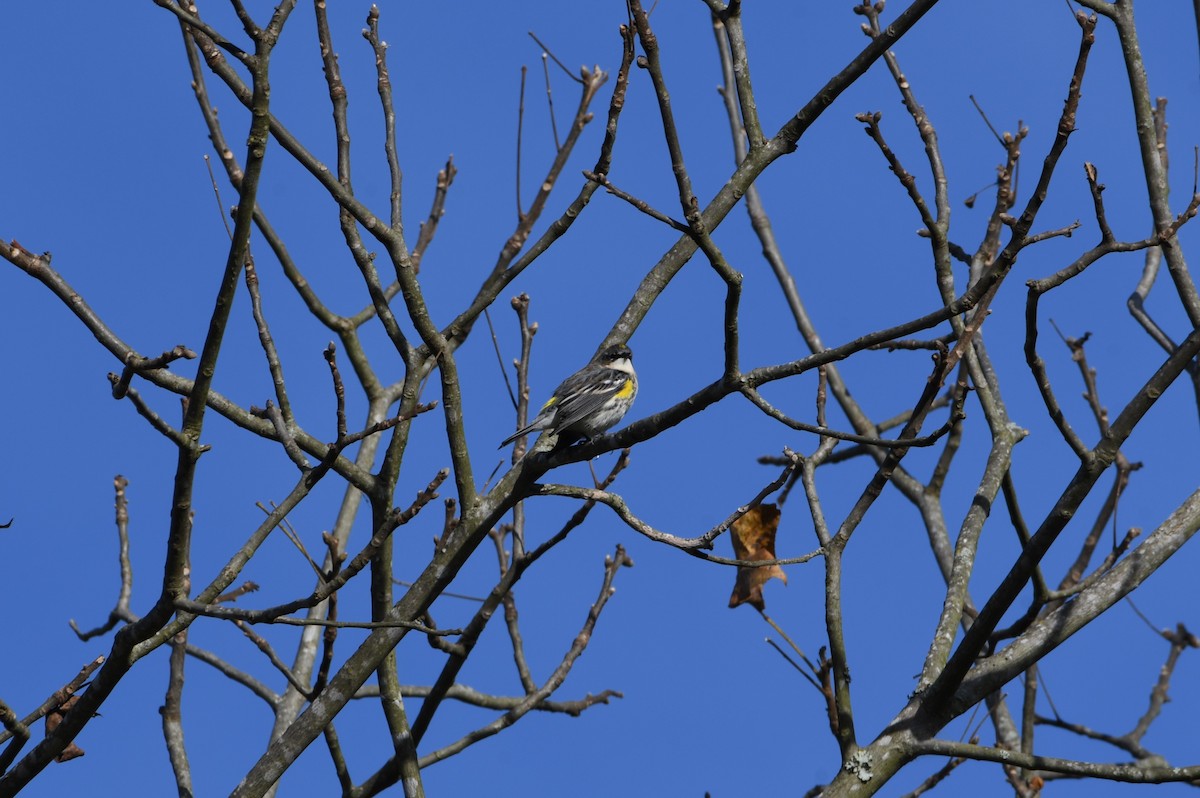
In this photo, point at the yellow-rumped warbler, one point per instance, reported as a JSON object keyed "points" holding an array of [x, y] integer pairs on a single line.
{"points": [[589, 401]]}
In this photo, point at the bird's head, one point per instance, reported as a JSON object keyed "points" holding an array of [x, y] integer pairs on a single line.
{"points": [[613, 353]]}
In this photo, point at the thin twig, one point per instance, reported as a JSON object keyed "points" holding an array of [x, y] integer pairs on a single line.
{"points": [[547, 51]]}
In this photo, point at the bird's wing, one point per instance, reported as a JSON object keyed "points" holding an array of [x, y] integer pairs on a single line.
{"points": [[584, 399]]}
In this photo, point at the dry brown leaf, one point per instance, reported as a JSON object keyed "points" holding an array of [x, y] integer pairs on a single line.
{"points": [[53, 718], [754, 539]]}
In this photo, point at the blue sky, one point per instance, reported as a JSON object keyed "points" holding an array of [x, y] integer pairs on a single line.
{"points": [[102, 155]]}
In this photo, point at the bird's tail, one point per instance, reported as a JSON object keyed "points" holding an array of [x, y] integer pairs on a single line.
{"points": [[533, 427]]}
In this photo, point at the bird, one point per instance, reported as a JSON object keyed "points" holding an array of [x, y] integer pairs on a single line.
{"points": [[589, 401]]}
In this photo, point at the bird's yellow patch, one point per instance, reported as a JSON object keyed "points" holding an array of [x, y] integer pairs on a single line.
{"points": [[626, 390]]}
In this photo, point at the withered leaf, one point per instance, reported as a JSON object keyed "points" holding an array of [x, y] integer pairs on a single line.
{"points": [[53, 718], [754, 539]]}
